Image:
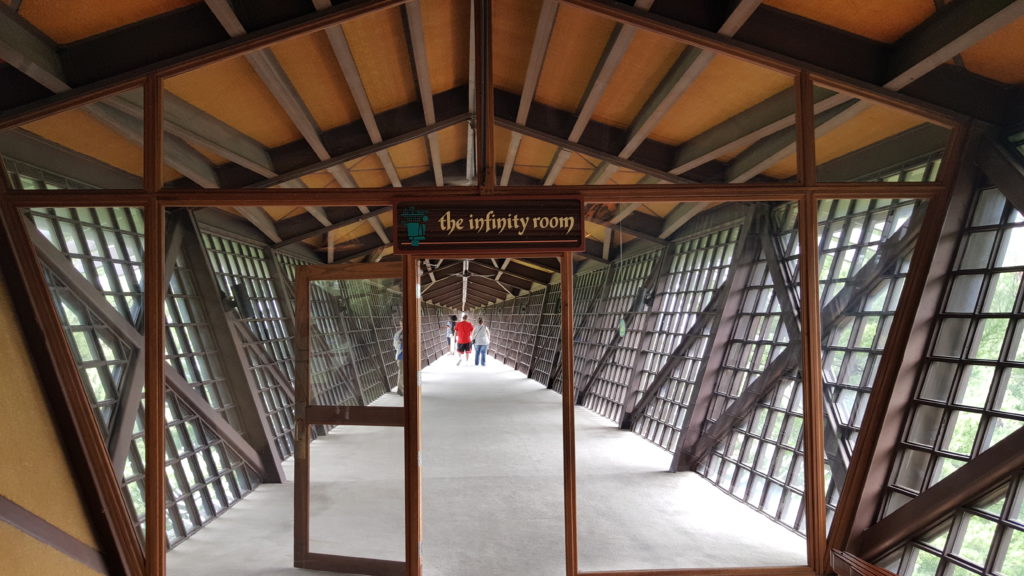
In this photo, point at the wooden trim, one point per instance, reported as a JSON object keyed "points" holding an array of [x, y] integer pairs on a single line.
{"points": [[413, 395], [568, 416], [156, 537], [355, 415], [28, 523], [348, 271], [61, 382], [814, 433]]}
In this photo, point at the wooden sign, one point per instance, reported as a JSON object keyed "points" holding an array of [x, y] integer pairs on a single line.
{"points": [[488, 225]]}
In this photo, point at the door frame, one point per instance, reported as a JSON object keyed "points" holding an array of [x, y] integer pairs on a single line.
{"points": [[306, 416]]}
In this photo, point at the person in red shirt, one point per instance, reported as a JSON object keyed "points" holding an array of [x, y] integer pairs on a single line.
{"points": [[464, 338]]}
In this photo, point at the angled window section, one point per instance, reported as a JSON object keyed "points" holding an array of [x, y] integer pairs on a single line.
{"points": [[95, 275], [362, 310], [26, 176], [191, 348], [984, 537], [687, 305], [759, 459], [332, 373], [970, 394], [864, 254], [105, 246], [243, 276], [204, 477], [549, 337], [613, 335]]}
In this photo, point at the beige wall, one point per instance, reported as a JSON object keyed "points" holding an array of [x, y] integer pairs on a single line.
{"points": [[35, 473]]}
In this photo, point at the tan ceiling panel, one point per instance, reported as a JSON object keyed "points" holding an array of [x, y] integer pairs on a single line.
{"points": [[576, 171], [69, 20], [411, 157], [446, 28], [513, 23], [350, 233], [535, 157], [378, 45], [313, 70], [725, 88], [999, 56], [231, 92], [282, 212], [784, 170], [368, 172], [319, 180], [576, 45], [625, 177], [78, 131], [883, 20], [648, 59]]}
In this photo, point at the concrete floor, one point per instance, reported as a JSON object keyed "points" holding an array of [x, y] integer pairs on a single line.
{"points": [[493, 495]]}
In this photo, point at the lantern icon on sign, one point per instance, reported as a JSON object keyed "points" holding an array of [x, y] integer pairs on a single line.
{"points": [[415, 222]]}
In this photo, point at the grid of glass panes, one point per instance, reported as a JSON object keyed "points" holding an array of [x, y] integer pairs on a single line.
{"points": [[331, 372], [101, 356], [204, 477], [985, 537], [242, 273], [525, 316], [433, 333], [971, 392], [616, 331], [918, 170], [698, 268], [549, 337], [386, 309], [761, 462], [25, 176], [104, 245], [190, 347], [759, 334], [362, 328], [851, 233], [497, 316], [589, 289]]}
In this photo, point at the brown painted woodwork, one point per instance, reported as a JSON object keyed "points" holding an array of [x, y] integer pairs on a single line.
{"points": [[814, 433], [307, 416], [568, 418], [846, 564], [967, 483], [155, 430]]}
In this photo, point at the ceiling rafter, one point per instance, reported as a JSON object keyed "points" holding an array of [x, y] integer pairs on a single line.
{"points": [[276, 80], [538, 52], [929, 45], [614, 51], [684, 71], [418, 43]]}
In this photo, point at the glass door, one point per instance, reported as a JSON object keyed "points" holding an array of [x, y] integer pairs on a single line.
{"points": [[354, 501]]}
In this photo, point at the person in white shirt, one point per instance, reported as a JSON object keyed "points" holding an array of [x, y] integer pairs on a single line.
{"points": [[396, 342], [482, 339]]}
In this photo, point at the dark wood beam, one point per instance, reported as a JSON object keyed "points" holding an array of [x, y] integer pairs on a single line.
{"points": [[305, 235], [960, 488]]}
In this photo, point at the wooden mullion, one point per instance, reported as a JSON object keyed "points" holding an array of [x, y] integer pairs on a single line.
{"points": [[155, 432], [813, 428], [568, 417]]}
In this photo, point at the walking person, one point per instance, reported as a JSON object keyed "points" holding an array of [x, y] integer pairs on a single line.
{"points": [[481, 339], [452, 320], [396, 342], [464, 338]]}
